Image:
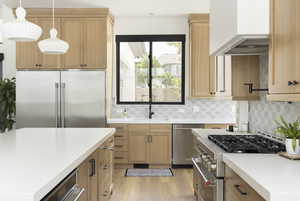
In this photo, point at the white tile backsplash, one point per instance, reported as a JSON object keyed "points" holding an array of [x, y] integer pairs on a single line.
{"points": [[193, 109], [262, 114]]}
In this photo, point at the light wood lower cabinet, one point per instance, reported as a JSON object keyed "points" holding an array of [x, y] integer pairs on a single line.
{"points": [[150, 144], [95, 173], [236, 189], [142, 144]]}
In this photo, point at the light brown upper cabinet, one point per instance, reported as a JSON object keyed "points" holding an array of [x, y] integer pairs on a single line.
{"points": [[72, 32], [201, 64], [232, 73], [284, 61], [222, 76], [88, 32], [28, 54]]}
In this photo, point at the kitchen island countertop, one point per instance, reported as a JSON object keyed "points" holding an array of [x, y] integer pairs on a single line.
{"points": [[34, 160], [273, 177]]}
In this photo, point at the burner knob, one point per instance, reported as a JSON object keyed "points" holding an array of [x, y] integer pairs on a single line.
{"points": [[204, 156]]}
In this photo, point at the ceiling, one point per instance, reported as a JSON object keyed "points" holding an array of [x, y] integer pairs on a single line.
{"points": [[126, 8]]}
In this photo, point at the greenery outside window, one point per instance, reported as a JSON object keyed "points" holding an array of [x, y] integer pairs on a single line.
{"points": [[150, 69]]}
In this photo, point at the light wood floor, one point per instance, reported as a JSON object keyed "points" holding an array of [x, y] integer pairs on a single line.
{"points": [[177, 188]]}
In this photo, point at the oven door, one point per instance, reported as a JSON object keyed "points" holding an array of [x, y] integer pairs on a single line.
{"points": [[209, 188], [67, 190]]}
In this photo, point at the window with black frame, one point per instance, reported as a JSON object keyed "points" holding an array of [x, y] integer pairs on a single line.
{"points": [[150, 69]]}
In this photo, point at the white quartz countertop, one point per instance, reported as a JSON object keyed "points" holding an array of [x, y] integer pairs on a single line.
{"points": [[167, 121], [273, 177], [34, 160]]}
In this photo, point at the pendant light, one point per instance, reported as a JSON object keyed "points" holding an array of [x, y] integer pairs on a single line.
{"points": [[20, 29], [53, 45]]}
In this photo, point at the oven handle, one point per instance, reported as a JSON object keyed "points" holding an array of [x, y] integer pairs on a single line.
{"points": [[74, 194], [207, 182]]}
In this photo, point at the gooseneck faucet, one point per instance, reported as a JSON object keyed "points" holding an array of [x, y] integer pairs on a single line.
{"points": [[150, 111]]}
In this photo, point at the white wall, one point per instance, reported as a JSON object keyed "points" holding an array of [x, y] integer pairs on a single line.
{"points": [[9, 47], [155, 25]]}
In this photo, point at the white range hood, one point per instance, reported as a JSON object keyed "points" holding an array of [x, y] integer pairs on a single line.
{"points": [[239, 27]]}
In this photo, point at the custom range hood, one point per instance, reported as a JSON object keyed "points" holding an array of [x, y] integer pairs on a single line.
{"points": [[239, 27]]}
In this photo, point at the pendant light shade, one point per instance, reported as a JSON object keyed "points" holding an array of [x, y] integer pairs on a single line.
{"points": [[20, 29], [53, 45]]}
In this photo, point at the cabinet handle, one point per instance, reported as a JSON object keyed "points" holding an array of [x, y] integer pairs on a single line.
{"points": [[150, 138], [238, 188], [105, 167], [93, 167], [118, 136], [293, 83], [119, 146]]}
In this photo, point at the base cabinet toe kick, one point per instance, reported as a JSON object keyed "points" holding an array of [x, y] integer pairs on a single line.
{"points": [[91, 181]]}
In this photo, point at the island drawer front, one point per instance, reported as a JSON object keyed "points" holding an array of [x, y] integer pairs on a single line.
{"points": [[121, 157], [236, 189], [121, 145]]}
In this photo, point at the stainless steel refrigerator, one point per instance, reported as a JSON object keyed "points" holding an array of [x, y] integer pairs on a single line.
{"points": [[60, 99]]}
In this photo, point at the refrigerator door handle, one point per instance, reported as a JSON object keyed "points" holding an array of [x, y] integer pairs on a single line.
{"points": [[63, 103], [56, 105]]}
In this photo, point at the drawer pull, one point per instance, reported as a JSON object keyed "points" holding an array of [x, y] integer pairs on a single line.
{"points": [[119, 157], [119, 136], [119, 146], [105, 167], [238, 188]]}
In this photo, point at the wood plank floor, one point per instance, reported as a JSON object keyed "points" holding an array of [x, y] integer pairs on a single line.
{"points": [[177, 188]]}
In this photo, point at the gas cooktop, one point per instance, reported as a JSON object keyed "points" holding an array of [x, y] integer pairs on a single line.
{"points": [[247, 144]]}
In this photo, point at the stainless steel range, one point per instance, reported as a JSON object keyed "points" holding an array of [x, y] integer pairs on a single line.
{"points": [[208, 164]]}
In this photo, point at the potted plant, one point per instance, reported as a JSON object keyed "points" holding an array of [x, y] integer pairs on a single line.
{"points": [[292, 133], [7, 104]]}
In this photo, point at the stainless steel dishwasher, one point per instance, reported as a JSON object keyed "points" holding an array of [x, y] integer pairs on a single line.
{"points": [[182, 146]]}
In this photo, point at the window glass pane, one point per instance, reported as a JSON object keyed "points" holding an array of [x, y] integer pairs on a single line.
{"points": [[134, 71], [166, 71]]}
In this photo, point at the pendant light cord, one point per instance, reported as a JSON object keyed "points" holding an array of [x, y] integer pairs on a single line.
{"points": [[20, 3], [53, 17]]}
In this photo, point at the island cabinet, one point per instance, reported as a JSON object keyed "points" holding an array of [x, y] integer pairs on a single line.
{"points": [[236, 189], [284, 61], [95, 173], [88, 32]]}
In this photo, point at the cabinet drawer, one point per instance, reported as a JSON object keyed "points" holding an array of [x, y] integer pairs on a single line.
{"points": [[121, 145], [121, 157], [121, 135], [160, 128], [236, 189], [140, 129]]}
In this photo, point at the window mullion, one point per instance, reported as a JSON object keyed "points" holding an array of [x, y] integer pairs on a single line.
{"points": [[150, 71]]}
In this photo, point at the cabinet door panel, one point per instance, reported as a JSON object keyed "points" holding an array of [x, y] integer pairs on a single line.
{"points": [[200, 83], [93, 178], [72, 32], [284, 63], [83, 179], [245, 69], [159, 149], [49, 61], [95, 43], [138, 149], [27, 56]]}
